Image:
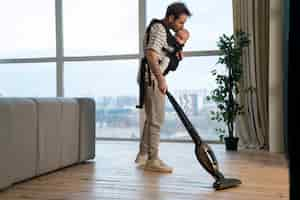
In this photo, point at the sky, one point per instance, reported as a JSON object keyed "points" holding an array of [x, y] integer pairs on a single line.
{"points": [[98, 27]]}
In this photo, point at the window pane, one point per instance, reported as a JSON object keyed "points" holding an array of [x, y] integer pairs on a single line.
{"points": [[209, 20], [28, 80], [100, 27], [27, 28], [190, 85], [113, 86]]}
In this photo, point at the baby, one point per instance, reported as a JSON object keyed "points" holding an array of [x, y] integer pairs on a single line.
{"points": [[170, 63]]}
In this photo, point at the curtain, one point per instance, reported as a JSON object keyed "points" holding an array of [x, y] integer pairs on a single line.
{"points": [[252, 16]]}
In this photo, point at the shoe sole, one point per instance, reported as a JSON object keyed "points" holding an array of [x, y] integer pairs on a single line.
{"points": [[157, 170]]}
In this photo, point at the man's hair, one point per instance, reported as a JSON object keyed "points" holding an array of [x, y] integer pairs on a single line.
{"points": [[176, 9]]}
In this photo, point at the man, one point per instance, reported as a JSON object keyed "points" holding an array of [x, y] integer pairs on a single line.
{"points": [[155, 41]]}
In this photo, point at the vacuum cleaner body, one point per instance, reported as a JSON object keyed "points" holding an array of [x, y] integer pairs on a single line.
{"points": [[203, 152]]}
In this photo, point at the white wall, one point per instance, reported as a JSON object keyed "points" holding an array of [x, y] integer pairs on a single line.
{"points": [[276, 138]]}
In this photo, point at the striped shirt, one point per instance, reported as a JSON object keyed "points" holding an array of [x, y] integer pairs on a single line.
{"points": [[157, 40]]}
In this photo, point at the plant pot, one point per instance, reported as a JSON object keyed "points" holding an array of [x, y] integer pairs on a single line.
{"points": [[231, 143]]}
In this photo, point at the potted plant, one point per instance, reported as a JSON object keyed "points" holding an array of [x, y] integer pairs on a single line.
{"points": [[228, 87]]}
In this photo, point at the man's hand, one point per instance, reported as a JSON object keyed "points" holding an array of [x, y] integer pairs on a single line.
{"points": [[179, 55], [162, 85], [153, 60]]}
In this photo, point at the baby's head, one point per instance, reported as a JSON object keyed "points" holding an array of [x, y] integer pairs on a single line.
{"points": [[182, 36]]}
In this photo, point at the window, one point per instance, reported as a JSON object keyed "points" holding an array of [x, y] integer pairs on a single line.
{"points": [[112, 84], [100, 27], [20, 80], [27, 29], [190, 85], [209, 20], [98, 52]]}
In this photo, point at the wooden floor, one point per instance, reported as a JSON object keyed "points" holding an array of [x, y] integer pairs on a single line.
{"points": [[113, 175]]}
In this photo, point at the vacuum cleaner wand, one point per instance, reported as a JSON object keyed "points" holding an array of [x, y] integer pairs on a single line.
{"points": [[204, 153]]}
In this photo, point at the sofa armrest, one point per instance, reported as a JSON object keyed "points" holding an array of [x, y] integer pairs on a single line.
{"points": [[87, 128]]}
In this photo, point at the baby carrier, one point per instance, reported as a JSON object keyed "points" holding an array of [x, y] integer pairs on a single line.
{"points": [[171, 41]]}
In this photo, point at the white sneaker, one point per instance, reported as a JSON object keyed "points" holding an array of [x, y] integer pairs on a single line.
{"points": [[157, 165], [141, 159]]}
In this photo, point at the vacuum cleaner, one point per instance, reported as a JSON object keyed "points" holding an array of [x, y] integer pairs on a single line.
{"points": [[204, 153]]}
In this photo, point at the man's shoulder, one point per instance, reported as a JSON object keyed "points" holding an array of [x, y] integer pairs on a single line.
{"points": [[156, 22], [157, 26]]}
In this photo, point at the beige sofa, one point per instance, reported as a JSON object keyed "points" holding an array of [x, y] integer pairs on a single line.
{"points": [[40, 135]]}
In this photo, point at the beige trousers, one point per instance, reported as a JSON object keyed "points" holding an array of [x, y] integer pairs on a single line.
{"points": [[154, 105]]}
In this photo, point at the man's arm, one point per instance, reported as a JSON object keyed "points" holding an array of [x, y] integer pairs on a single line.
{"points": [[153, 62]]}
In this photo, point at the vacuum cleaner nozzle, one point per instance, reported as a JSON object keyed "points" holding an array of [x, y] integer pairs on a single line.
{"points": [[226, 183]]}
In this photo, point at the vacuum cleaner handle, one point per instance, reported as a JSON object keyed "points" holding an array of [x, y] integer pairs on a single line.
{"points": [[186, 122]]}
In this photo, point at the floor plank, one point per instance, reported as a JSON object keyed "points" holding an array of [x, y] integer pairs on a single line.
{"points": [[113, 175]]}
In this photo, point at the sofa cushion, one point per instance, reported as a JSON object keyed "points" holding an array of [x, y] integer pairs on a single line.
{"points": [[69, 131], [49, 144], [24, 138]]}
